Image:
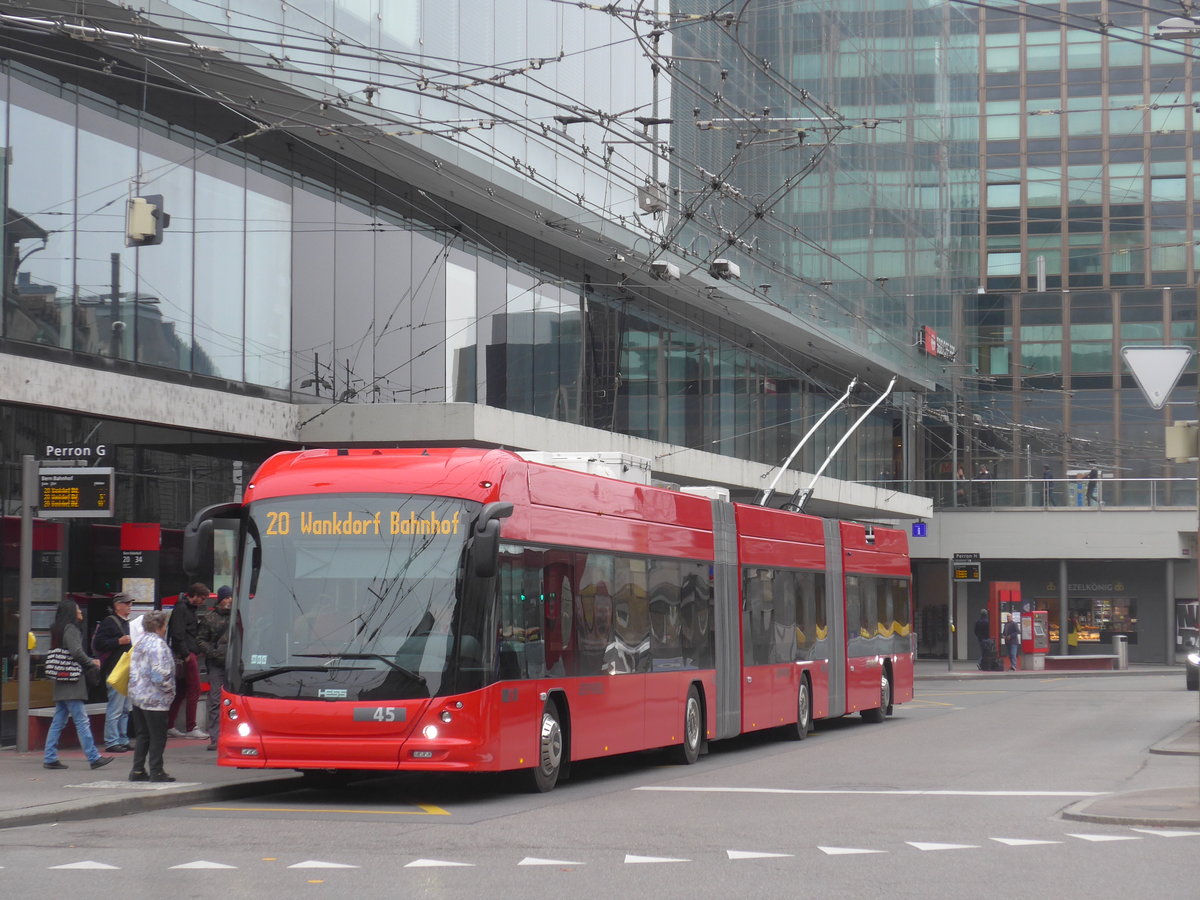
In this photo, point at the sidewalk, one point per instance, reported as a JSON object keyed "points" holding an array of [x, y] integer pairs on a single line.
{"points": [[968, 670], [32, 795]]}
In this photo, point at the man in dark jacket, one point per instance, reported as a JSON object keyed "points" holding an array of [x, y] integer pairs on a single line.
{"points": [[110, 644], [182, 635], [983, 629], [214, 637]]}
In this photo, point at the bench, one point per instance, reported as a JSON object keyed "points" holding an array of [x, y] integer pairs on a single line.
{"points": [[39, 727], [1082, 662]]}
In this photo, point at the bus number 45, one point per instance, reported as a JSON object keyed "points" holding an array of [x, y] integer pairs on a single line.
{"points": [[379, 714]]}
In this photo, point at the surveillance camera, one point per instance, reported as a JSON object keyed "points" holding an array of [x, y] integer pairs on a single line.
{"points": [[118, 326], [664, 270], [723, 268]]}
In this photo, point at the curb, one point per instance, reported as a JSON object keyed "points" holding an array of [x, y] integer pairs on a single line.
{"points": [[1187, 813], [77, 811]]}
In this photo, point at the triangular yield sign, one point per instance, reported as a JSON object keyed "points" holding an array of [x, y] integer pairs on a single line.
{"points": [[1156, 370]]}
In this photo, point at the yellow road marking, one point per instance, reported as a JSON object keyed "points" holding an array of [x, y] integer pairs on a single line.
{"points": [[930, 702], [426, 810]]}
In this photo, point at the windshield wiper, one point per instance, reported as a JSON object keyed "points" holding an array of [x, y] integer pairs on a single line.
{"points": [[270, 673], [420, 679]]}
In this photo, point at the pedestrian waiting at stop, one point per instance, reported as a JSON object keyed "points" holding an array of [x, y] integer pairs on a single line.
{"points": [[185, 645], [152, 690], [1012, 640], [110, 643], [213, 637]]}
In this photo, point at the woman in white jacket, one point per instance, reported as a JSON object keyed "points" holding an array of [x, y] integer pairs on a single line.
{"points": [[151, 688]]}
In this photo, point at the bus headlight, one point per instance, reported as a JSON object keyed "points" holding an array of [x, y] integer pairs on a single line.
{"points": [[430, 732], [446, 717], [243, 729]]}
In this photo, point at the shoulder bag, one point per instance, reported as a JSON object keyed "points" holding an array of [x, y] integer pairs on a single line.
{"points": [[118, 678], [62, 666]]}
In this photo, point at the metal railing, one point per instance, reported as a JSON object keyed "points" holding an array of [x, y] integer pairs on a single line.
{"points": [[1078, 494]]}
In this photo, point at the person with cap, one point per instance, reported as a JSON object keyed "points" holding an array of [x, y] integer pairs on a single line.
{"points": [[110, 642], [213, 637]]}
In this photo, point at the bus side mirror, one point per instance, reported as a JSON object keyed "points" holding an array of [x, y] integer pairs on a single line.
{"points": [[485, 543], [198, 549], [198, 538]]}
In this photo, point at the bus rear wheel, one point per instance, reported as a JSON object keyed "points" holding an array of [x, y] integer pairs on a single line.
{"points": [[693, 722], [885, 700], [804, 714], [544, 776]]}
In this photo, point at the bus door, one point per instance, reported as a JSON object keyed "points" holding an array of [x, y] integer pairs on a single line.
{"points": [[758, 629], [863, 662]]}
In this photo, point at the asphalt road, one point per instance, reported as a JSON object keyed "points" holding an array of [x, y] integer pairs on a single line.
{"points": [[955, 796]]}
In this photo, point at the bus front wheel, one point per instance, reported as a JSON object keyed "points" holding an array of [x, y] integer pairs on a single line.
{"points": [[544, 776]]}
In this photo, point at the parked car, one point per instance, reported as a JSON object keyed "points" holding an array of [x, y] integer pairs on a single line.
{"points": [[1192, 671]]}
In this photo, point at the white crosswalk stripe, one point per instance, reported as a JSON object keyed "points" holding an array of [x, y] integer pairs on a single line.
{"points": [[434, 863], [630, 859], [535, 861], [1105, 837], [925, 845]]}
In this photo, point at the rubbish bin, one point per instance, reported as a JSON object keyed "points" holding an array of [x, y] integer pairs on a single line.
{"points": [[1120, 649]]}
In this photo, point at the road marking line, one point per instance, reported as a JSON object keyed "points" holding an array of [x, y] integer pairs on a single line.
{"points": [[434, 863], [752, 854], [535, 861], [1161, 833], [630, 859], [896, 793], [924, 845], [203, 864], [846, 851], [86, 864], [426, 810], [1105, 837], [317, 864], [1021, 842]]}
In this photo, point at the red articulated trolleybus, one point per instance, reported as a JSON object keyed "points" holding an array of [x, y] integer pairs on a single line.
{"points": [[468, 610]]}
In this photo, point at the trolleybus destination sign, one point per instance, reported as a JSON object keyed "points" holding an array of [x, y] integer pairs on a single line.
{"points": [[82, 492]]}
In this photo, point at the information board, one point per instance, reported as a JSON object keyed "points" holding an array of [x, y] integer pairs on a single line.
{"points": [[83, 492]]}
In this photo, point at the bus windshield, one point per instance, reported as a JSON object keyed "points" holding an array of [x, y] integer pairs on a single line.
{"points": [[355, 597]]}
